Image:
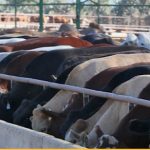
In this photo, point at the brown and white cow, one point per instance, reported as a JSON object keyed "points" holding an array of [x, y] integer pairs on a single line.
{"points": [[44, 41], [123, 132]]}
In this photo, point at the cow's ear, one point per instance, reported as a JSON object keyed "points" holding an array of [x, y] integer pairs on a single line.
{"points": [[98, 131], [50, 113]]}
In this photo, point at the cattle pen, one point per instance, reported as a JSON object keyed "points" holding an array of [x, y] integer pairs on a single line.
{"points": [[43, 15], [27, 138], [68, 87]]}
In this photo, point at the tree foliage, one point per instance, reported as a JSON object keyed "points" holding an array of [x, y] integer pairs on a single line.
{"points": [[128, 7], [119, 10]]}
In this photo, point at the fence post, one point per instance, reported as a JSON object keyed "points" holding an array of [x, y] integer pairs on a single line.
{"points": [[15, 14], [98, 12], [41, 15], [78, 9]]}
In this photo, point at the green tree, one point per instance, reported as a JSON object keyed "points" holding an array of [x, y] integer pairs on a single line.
{"points": [[18, 2], [23, 9], [58, 9], [121, 10]]}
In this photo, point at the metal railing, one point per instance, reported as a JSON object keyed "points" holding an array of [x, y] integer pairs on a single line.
{"points": [[112, 96]]}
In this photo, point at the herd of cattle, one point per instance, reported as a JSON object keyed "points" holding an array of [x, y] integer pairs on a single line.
{"points": [[91, 62], [34, 18]]}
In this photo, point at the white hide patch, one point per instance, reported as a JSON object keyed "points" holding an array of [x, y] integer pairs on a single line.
{"points": [[130, 40], [11, 40], [144, 40], [141, 40], [111, 140]]}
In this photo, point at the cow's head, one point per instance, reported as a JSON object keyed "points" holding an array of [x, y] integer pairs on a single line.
{"points": [[77, 138], [143, 40], [77, 133], [40, 119], [45, 120], [107, 141], [131, 40]]}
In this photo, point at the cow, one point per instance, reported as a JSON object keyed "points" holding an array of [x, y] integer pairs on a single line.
{"points": [[45, 41], [23, 18], [139, 40], [92, 67], [5, 61], [17, 31], [98, 38], [103, 45], [143, 40], [68, 30], [34, 18], [6, 114], [96, 102], [132, 139], [72, 41], [130, 40], [118, 109], [46, 95], [60, 19], [17, 66], [3, 55], [97, 82], [22, 115], [128, 133], [28, 44], [62, 59], [50, 70]]}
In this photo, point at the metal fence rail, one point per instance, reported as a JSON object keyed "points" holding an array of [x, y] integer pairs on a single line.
{"points": [[113, 96]]}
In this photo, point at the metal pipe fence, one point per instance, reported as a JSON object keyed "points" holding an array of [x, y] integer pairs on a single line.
{"points": [[112, 96], [79, 6]]}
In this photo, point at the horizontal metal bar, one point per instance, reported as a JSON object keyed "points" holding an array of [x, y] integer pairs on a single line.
{"points": [[18, 5], [105, 5], [113, 96]]}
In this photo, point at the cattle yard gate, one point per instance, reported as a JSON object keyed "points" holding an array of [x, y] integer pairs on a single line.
{"points": [[42, 21]]}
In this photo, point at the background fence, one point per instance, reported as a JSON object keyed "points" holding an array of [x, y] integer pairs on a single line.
{"points": [[48, 14]]}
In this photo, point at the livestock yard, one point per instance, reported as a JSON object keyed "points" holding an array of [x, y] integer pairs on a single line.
{"points": [[75, 74]]}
